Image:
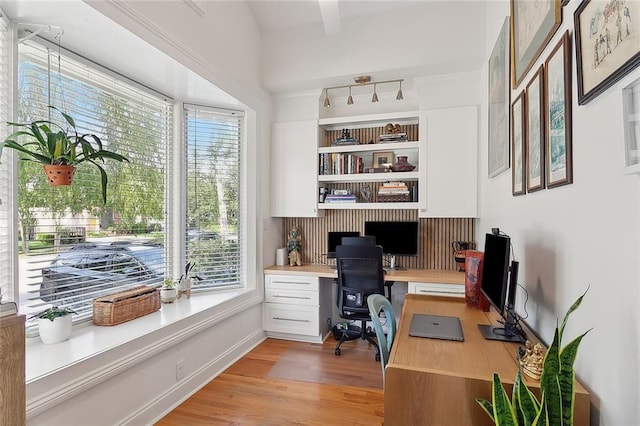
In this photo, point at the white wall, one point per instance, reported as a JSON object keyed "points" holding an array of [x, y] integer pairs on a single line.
{"points": [[576, 236]]}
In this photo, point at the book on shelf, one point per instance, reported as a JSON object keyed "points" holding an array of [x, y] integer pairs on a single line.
{"points": [[345, 141], [332, 198], [339, 164]]}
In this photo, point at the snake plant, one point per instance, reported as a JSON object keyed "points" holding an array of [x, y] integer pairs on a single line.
{"points": [[46, 142], [557, 388]]}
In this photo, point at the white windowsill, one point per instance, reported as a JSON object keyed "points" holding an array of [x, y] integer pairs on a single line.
{"points": [[88, 340]]}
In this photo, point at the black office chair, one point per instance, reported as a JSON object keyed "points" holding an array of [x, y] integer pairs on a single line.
{"points": [[367, 240], [360, 274]]}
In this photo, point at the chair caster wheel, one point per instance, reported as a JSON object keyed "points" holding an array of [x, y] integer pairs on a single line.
{"points": [[378, 357], [337, 351]]}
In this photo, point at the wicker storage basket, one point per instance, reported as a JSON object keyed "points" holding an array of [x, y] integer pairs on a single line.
{"points": [[125, 305]]}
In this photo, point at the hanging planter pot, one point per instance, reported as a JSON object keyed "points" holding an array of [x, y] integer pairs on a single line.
{"points": [[59, 175]]}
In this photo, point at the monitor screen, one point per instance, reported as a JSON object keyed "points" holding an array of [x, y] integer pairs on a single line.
{"points": [[334, 239], [495, 270], [396, 238]]}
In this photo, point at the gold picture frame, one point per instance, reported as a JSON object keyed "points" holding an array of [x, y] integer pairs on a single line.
{"points": [[382, 159]]}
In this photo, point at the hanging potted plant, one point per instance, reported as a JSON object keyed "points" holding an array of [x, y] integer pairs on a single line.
{"points": [[60, 150], [54, 324]]}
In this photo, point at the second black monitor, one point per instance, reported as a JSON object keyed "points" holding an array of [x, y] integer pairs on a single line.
{"points": [[396, 238]]}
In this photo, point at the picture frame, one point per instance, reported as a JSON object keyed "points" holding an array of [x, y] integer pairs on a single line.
{"points": [[607, 45], [518, 157], [382, 159], [533, 23], [499, 101], [558, 128], [534, 124], [631, 116]]}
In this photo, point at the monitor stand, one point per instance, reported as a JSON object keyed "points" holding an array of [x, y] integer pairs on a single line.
{"points": [[392, 264], [492, 332]]}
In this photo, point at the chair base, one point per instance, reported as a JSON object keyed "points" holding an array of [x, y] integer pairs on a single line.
{"points": [[354, 333]]}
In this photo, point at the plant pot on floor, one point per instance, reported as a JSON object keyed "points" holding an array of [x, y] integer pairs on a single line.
{"points": [[55, 331]]}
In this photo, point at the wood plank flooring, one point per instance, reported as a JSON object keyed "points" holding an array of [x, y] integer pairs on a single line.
{"points": [[252, 392]]}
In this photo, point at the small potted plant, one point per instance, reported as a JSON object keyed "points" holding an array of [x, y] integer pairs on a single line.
{"points": [[60, 150], [184, 284], [168, 291], [54, 324]]}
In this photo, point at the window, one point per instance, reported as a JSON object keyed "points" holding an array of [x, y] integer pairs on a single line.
{"points": [[72, 246], [214, 225]]}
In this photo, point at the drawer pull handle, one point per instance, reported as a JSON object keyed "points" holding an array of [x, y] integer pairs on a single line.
{"points": [[291, 282], [290, 319], [292, 297], [439, 292]]}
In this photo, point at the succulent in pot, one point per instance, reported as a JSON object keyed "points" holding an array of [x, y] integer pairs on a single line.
{"points": [[168, 291], [60, 150], [54, 324]]}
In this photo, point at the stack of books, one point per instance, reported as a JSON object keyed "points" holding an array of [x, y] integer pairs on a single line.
{"points": [[393, 192], [393, 137], [334, 198], [8, 308], [339, 164], [345, 141]]}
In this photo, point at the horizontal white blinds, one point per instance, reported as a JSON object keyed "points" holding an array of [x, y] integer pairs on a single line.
{"points": [[214, 225], [75, 247]]}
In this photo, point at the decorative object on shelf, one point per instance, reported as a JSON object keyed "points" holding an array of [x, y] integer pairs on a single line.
{"points": [[473, 295], [402, 165], [184, 283], [534, 123], [54, 324], [557, 101], [531, 360], [168, 292], [391, 128], [393, 133], [557, 385], [46, 142], [533, 23], [365, 193], [382, 159], [460, 252], [125, 305], [345, 139], [602, 63], [376, 170], [517, 146], [294, 247], [363, 80], [499, 101]]}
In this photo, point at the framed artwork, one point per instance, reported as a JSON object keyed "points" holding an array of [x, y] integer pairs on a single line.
{"points": [[499, 93], [557, 113], [533, 23], [518, 157], [631, 114], [607, 44], [534, 124], [382, 159]]}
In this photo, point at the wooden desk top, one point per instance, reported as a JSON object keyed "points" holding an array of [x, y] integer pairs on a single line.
{"points": [[419, 275]]}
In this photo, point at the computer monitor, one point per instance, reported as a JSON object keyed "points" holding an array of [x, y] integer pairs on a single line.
{"points": [[334, 239], [396, 238], [499, 282]]}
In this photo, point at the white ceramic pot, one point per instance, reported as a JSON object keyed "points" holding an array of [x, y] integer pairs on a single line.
{"points": [[55, 331], [168, 295]]}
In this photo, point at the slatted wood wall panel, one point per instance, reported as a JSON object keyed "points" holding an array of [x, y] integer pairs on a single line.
{"points": [[436, 235], [364, 136]]}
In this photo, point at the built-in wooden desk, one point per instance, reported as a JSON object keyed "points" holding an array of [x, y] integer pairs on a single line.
{"points": [[436, 382]]}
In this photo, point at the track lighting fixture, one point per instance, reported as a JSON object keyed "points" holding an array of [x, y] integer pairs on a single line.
{"points": [[363, 80]]}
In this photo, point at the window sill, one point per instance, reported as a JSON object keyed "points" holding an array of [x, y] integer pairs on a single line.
{"points": [[88, 340]]}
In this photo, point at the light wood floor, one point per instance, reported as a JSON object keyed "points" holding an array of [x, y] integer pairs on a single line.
{"points": [[247, 394]]}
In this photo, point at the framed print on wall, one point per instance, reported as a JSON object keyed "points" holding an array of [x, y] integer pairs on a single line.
{"points": [[534, 124], [533, 23], [557, 112], [607, 44], [518, 133], [499, 93]]}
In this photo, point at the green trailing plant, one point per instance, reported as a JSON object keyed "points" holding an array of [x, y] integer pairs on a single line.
{"points": [[53, 313], [48, 143], [557, 388]]}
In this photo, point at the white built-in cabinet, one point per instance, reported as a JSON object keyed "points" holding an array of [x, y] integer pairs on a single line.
{"points": [[444, 151], [449, 181], [294, 170]]}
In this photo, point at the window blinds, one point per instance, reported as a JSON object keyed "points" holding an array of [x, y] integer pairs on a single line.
{"points": [[75, 247], [215, 226]]}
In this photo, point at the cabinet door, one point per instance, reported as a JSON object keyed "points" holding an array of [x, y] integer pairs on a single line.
{"points": [[451, 159], [294, 169]]}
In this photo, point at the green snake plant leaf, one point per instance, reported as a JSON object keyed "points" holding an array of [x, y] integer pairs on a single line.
{"points": [[549, 381], [573, 307], [525, 401], [566, 379], [503, 413], [487, 407]]}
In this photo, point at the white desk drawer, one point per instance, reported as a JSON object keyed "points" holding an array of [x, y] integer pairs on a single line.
{"points": [[293, 297], [291, 319], [436, 289], [293, 282]]}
